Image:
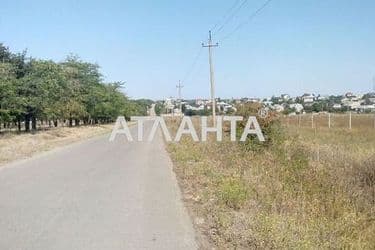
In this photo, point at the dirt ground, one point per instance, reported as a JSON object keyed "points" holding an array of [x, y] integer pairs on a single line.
{"points": [[21, 146]]}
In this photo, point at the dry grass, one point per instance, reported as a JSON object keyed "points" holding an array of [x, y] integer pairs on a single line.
{"points": [[314, 190], [21, 146]]}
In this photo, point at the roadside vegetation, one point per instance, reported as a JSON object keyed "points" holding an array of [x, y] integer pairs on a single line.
{"points": [[43, 93], [302, 189]]}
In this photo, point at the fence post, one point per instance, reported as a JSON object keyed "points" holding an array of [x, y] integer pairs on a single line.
{"points": [[297, 120], [350, 120], [329, 120]]}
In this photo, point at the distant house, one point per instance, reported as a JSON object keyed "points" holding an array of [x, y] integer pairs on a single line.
{"points": [[322, 98], [169, 106], [350, 95], [297, 107], [371, 97], [189, 107], [267, 103], [364, 108], [278, 108], [308, 99], [285, 97], [355, 105], [199, 102], [336, 106], [225, 107], [352, 102], [252, 99]]}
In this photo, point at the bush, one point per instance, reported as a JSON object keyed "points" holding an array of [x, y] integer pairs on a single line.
{"points": [[270, 126]]}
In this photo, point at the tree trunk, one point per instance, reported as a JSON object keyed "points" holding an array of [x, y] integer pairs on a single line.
{"points": [[27, 123], [19, 124], [33, 123]]}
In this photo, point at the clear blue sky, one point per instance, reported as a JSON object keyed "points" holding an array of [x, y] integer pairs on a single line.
{"points": [[292, 46]]}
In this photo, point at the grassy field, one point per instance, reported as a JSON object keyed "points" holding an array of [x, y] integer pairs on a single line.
{"points": [[310, 189], [15, 146]]}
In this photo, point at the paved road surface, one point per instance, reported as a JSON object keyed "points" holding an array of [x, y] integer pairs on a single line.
{"points": [[94, 195]]}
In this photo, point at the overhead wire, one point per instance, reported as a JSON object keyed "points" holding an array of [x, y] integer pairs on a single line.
{"points": [[192, 66], [225, 15], [251, 17], [228, 19]]}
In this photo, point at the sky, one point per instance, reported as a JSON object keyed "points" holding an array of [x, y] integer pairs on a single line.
{"points": [[291, 46]]}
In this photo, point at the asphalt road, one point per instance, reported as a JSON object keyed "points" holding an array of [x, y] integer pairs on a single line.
{"points": [[95, 195]]}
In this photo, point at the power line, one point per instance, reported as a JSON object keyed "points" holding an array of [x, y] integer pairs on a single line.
{"points": [[228, 19], [226, 14], [192, 66], [251, 17]]}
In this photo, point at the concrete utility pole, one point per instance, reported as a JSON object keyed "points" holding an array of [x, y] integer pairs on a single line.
{"points": [[212, 79], [179, 87]]}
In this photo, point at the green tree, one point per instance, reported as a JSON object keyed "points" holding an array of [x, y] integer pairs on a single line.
{"points": [[7, 93], [73, 90]]}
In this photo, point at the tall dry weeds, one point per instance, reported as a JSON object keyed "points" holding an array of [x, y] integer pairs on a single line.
{"points": [[282, 196]]}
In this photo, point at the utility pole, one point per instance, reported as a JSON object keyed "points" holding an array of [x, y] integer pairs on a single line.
{"points": [[179, 87], [212, 79]]}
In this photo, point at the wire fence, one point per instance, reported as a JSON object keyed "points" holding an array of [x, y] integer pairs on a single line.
{"points": [[331, 120]]}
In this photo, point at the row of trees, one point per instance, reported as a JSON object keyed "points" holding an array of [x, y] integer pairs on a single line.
{"points": [[71, 92]]}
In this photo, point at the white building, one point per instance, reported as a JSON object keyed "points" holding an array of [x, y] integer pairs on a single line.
{"points": [[308, 98], [285, 97], [352, 103], [168, 104], [297, 107], [225, 107], [370, 107], [278, 108], [336, 106]]}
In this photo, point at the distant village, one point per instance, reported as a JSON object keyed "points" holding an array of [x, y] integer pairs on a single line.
{"points": [[286, 104]]}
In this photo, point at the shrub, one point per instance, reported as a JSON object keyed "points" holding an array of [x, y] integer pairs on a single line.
{"points": [[270, 126]]}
